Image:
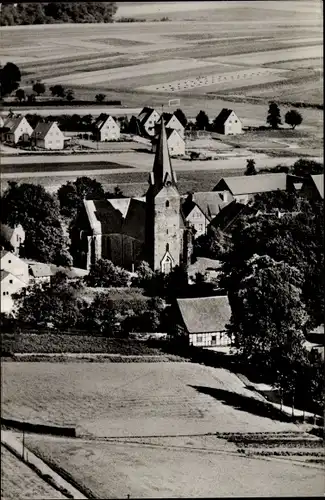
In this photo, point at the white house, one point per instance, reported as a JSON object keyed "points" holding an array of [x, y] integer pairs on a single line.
{"points": [[204, 319], [48, 136], [13, 235], [148, 119], [244, 188], [17, 129], [176, 144], [228, 123], [106, 128], [12, 264], [10, 284], [171, 121]]}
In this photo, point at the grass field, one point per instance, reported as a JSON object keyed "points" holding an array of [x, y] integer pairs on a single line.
{"points": [[137, 399], [18, 481]]}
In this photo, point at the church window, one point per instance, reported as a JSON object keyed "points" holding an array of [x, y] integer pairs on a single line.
{"points": [[167, 204], [167, 246], [166, 231], [167, 266]]}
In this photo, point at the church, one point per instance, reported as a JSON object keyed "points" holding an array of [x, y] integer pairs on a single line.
{"points": [[129, 230]]}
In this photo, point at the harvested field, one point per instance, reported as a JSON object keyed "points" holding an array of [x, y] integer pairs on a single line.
{"points": [[165, 469], [17, 477], [137, 399]]}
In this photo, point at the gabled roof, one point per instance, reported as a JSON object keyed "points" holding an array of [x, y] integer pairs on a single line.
{"points": [[252, 184], [223, 116], [42, 270], [318, 181], [3, 253], [42, 129], [162, 168], [205, 314], [13, 123], [210, 203], [229, 214], [145, 114], [101, 120], [3, 275]]}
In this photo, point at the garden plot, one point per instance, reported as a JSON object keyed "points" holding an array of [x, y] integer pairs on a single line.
{"points": [[217, 81], [125, 72]]}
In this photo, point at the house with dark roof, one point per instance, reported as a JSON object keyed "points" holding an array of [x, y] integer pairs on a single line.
{"points": [[106, 128], [40, 272], [14, 236], [176, 143], [243, 188], [129, 230], [313, 187], [225, 220], [16, 129], [148, 118], [173, 122], [47, 135], [227, 123], [201, 207], [204, 320]]}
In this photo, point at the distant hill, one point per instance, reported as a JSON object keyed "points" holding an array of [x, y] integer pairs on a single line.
{"points": [[13, 14]]}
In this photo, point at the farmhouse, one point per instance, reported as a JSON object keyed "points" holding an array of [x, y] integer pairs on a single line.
{"points": [[14, 236], [176, 143], [128, 230], [40, 272], [12, 264], [227, 123], [173, 122], [148, 119], [106, 128], [48, 136], [201, 207], [313, 187], [243, 188], [205, 320], [10, 284], [17, 129]]}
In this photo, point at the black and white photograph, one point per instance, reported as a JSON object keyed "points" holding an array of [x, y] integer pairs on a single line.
{"points": [[162, 249]]}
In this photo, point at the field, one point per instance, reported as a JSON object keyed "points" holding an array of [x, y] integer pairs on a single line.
{"points": [[222, 49], [16, 477]]}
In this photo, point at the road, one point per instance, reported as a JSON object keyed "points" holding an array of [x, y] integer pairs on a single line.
{"points": [[65, 110]]}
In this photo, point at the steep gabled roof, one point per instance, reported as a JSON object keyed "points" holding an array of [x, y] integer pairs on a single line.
{"points": [[101, 120], [205, 314], [13, 123], [162, 168], [318, 181], [252, 184], [3, 275], [223, 116], [42, 129], [3, 253], [229, 214]]}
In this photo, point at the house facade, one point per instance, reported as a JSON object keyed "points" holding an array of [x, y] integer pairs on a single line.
{"points": [[107, 129], [12, 264], [204, 320], [148, 119], [17, 129], [176, 144], [15, 236], [129, 230], [48, 136], [10, 284], [228, 123], [172, 122]]}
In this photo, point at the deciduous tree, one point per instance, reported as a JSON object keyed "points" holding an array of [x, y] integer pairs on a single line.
{"points": [[72, 194], [104, 274], [100, 97], [293, 118], [202, 121], [10, 78], [39, 88], [250, 167], [57, 91], [20, 94]]}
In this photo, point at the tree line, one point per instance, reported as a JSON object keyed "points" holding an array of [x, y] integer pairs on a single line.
{"points": [[56, 12]]}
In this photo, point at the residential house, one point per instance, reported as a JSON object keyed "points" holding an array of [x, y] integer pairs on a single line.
{"points": [[201, 207], [176, 143], [40, 272], [14, 236], [244, 188], [10, 284], [313, 187], [129, 230], [227, 123], [204, 320], [224, 221], [12, 264], [17, 129], [106, 128], [47, 135], [148, 118], [173, 122]]}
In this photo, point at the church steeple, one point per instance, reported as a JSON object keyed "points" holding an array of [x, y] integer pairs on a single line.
{"points": [[162, 173]]}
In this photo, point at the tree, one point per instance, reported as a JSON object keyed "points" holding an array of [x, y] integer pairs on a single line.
{"points": [[274, 116], [211, 245], [250, 167], [100, 97], [70, 95], [316, 382], [304, 167], [10, 77], [39, 88], [293, 118], [104, 274], [144, 275], [38, 212], [147, 319], [57, 91], [180, 115], [72, 194], [202, 121], [54, 303], [20, 94], [101, 318]]}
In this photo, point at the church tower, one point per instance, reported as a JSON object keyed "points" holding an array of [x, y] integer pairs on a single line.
{"points": [[163, 211]]}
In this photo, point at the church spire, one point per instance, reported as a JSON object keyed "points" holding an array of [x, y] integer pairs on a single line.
{"points": [[162, 173]]}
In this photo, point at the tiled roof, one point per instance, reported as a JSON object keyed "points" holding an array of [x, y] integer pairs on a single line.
{"points": [[319, 183], [101, 120], [41, 270], [41, 130], [223, 116], [3, 275], [13, 123], [252, 184], [205, 314], [3, 253]]}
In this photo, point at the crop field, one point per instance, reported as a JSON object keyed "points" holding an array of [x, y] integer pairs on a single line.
{"points": [[188, 467], [137, 399], [217, 48], [18, 479]]}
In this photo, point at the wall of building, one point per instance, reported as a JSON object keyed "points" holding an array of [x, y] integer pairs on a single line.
{"points": [[14, 265], [9, 285], [209, 339], [233, 125]]}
